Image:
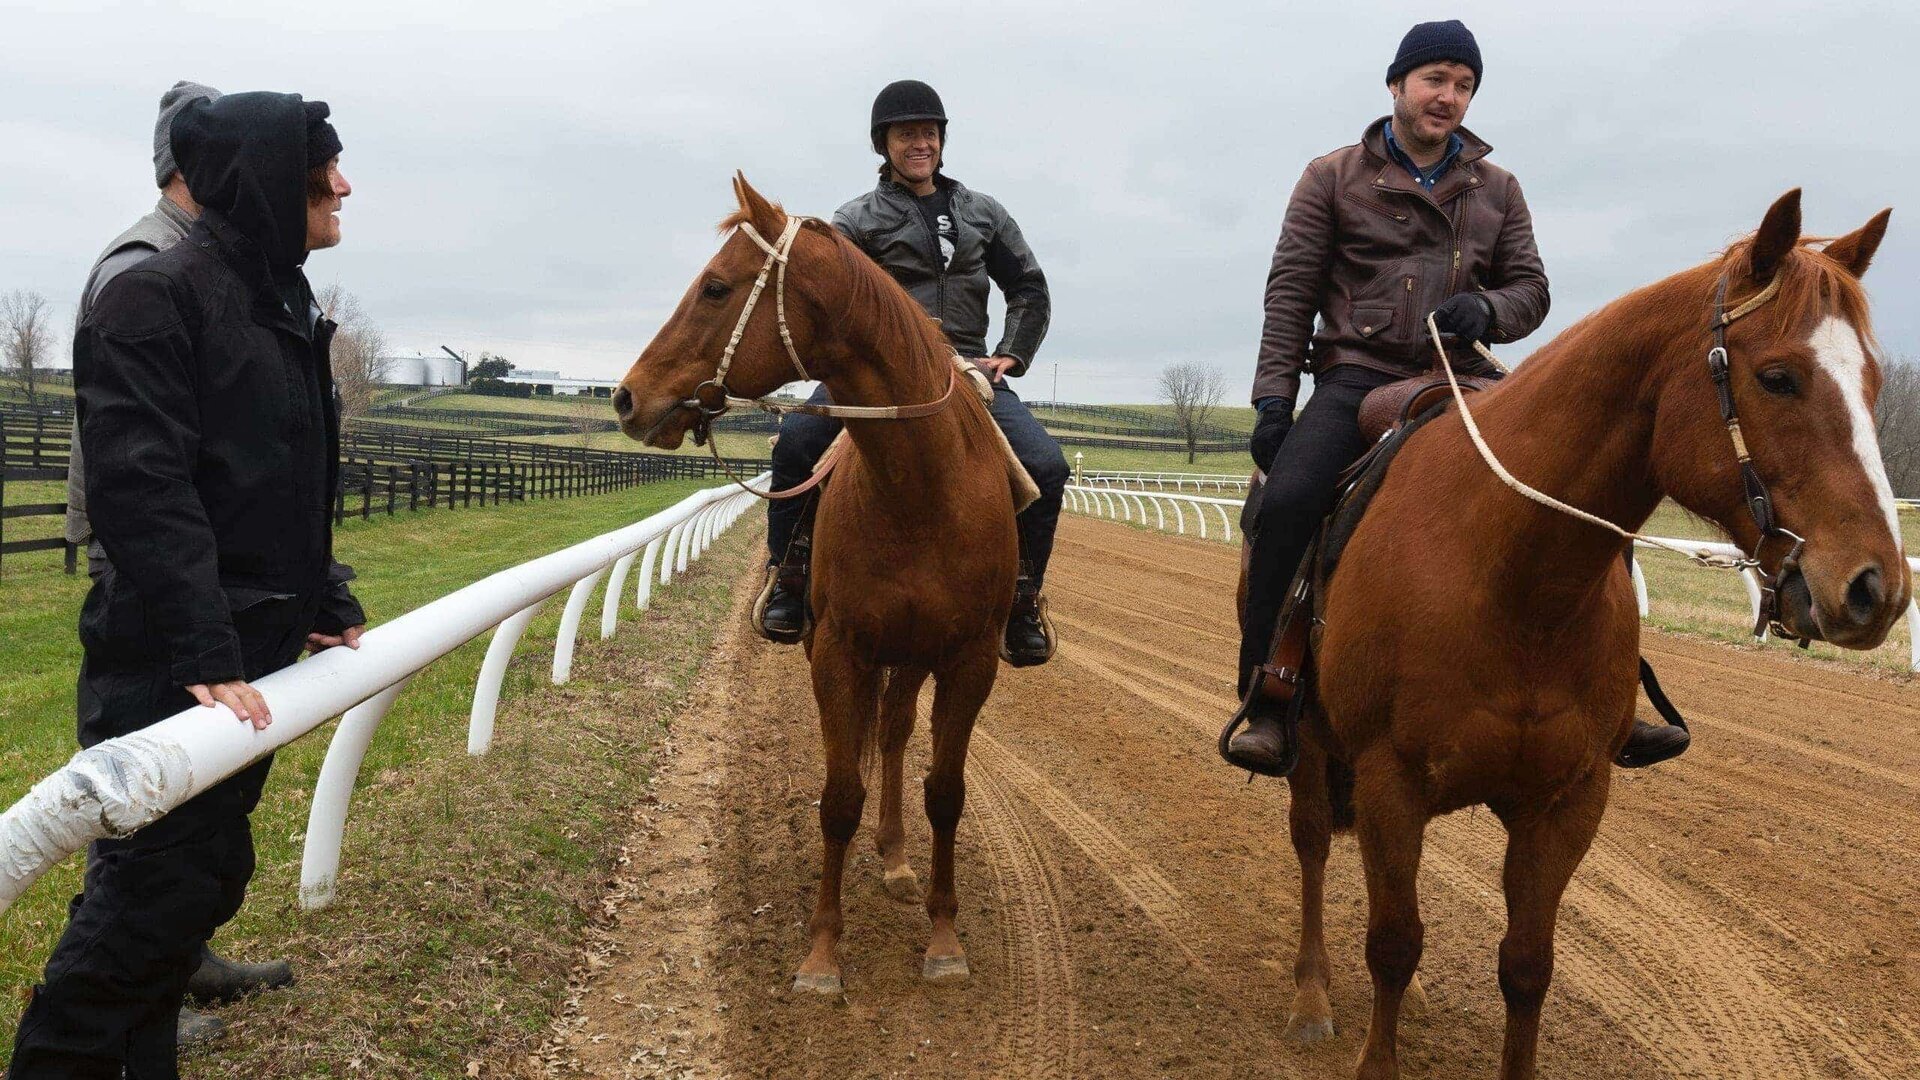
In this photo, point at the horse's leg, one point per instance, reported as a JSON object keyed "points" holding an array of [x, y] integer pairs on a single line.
{"points": [[897, 707], [1390, 824], [1310, 814], [957, 697], [847, 692], [1543, 849]]}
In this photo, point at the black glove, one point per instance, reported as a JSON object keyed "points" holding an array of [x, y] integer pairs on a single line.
{"points": [[1466, 316], [1274, 423]]}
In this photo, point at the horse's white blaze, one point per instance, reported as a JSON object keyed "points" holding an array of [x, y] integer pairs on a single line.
{"points": [[1836, 346]]}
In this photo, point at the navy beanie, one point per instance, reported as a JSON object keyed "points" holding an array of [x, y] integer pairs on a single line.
{"points": [[1432, 42]]}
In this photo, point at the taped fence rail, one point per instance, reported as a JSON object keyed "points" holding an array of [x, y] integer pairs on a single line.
{"points": [[120, 785]]}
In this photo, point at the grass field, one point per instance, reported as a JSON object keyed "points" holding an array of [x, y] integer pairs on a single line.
{"points": [[465, 881]]}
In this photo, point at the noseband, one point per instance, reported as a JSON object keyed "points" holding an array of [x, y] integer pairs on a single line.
{"points": [[1759, 503]]}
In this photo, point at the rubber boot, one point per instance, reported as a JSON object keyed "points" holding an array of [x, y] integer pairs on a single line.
{"points": [[219, 981]]}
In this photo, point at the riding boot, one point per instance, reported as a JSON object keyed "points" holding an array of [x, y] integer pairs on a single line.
{"points": [[1028, 639], [1650, 744], [219, 981], [782, 614], [1264, 741]]}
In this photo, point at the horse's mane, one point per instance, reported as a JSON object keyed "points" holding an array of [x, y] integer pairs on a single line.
{"points": [[1809, 281], [901, 328]]}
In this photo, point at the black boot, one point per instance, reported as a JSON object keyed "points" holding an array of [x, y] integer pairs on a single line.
{"points": [[219, 981], [781, 614], [197, 1029], [1028, 639], [1650, 744]]}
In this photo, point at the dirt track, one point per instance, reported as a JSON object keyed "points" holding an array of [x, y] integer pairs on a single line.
{"points": [[1128, 903]]}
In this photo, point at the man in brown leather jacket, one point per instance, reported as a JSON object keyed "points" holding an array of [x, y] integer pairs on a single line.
{"points": [[1411, 219]]}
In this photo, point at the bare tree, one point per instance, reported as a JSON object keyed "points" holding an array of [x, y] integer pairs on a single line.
{"points": [[1898, 416], [589, 415], [1193, 389], [359, 352], [26, 336]]}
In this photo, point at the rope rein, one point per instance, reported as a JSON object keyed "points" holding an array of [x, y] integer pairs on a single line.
{"points": [[1698, 555]]}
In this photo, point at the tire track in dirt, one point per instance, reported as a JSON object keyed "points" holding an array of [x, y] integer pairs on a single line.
{"points": [[1137, 879], [1043, 1032]]}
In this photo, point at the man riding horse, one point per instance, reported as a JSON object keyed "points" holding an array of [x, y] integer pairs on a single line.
{"points": [[1411, 219], [943, 242]]}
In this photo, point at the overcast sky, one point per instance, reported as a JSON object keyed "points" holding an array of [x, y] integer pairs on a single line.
{"points": [[541, 180]]}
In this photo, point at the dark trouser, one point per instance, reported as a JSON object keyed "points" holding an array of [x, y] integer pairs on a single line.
{"points": [[111, 995], [1299, 493], [804, 438]]}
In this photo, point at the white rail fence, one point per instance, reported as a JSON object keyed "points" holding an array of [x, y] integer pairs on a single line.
{"points": [[1157, 508], [116, 787], [1161, 481]]}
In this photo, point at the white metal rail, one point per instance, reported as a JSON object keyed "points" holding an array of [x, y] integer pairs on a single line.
{"points": [[1162, 481], [116, 787], [1157, 508]]}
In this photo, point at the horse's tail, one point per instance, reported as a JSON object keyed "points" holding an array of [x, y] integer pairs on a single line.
{"points": [[1340, 792], [893, 723]]}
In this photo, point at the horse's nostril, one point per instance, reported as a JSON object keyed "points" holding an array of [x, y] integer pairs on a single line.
{"points": [[622, 402], [1865, 594]]}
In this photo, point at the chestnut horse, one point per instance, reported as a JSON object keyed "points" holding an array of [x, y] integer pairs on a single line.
{"points": [[914, 554], [1480, 648]]}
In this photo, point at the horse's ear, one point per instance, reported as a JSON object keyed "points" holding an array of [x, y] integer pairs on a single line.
{"points": [[764, 215], [1855, 250], [1779, 232]]}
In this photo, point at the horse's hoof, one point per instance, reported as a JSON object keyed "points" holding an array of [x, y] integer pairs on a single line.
{"points": [[903, 885], [1306, 1032], [944, 969], [827, 984]]}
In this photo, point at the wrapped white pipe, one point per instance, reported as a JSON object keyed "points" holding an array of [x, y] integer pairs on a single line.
{"points": [[122, 784]]}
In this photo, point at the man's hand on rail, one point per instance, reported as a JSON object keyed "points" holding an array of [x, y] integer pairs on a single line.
{"points": [[350, 637], [244, 700]]}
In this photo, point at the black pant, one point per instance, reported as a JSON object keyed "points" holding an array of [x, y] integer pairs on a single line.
{"points": [[111, 995], [1299, 493], [804, 438]]}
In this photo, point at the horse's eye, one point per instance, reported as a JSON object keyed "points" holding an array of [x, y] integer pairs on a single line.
{"points": [[1779, 380], [715, 290]]}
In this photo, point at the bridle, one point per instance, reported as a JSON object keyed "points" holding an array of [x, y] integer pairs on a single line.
{"points": [[1759, 502], [712, 400]]}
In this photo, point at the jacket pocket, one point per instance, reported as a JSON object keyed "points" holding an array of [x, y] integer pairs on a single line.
{"points": [[1369, 321], [1384, 211]]}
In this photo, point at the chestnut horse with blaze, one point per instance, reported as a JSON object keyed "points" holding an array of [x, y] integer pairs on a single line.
{"points": [[914, 553], [1479, 648]]}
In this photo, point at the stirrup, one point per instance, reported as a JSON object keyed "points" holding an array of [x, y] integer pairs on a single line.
{"points": [[1046, 630], [759, 617], [1289, 725]]}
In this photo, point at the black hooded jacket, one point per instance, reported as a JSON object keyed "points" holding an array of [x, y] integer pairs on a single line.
{"points": [[208, 417]]}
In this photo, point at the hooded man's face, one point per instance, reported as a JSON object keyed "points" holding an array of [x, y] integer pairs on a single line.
{"points": [[323, 207]]}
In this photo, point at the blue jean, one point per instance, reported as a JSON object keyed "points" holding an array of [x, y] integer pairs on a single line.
{"points": [[803, 438]]}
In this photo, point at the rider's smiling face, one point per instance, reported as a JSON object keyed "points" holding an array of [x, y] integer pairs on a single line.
{"points": [[1430, 102], [913, 149]]}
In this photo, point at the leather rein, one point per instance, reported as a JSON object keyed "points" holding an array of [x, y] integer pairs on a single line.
{"points": [[711, 399], [1759, 502]]}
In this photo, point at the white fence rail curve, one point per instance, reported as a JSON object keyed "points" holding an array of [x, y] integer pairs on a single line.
{"points": [[1152, 507], [1162, 481], [120, 785]]}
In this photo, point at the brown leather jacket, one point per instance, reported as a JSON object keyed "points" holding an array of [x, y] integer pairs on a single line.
{"points": [[1371, 253]]}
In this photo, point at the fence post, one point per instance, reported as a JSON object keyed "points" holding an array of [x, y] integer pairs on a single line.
{"points": [[366, 491], [393, 482]]}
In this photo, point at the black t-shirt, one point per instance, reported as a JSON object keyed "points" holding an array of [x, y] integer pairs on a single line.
{"points": [[937, 210]]}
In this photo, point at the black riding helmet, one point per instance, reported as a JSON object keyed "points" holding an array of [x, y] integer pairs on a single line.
{"points": [[908, 99]]}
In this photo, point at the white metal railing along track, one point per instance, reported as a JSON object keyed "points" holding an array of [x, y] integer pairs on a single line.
{"points": [[1121, 504], [115, 787]]}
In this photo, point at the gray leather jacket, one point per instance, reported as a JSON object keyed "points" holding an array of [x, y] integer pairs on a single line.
{"points": [[887, 225]]}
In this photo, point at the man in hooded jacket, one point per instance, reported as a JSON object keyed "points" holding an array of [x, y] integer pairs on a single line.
{"points": [[207, 415]]}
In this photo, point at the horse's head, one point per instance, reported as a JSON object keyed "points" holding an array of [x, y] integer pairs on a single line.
{"points": [[1803, 380], [652, 401]]}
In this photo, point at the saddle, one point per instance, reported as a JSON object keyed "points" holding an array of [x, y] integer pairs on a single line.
{"points": [[1282, 685]]}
